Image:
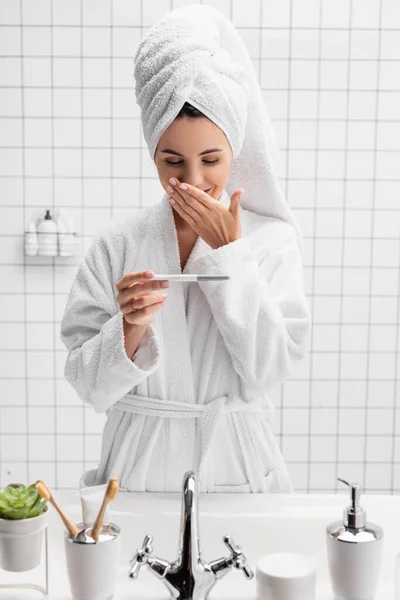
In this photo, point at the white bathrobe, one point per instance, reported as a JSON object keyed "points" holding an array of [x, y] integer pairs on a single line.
{"points": [[195, 393]]}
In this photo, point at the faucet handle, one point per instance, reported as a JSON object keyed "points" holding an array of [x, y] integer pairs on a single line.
{"points": [[141, 556], [238, 558]]}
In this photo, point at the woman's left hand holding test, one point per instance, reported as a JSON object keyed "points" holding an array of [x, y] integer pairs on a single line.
{"points": [[210, 219]]}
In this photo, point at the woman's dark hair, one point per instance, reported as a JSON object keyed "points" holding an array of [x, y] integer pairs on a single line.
{"points": [[190, 111]]}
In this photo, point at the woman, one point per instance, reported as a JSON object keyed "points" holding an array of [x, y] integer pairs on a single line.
{"points": [[184, 381]]}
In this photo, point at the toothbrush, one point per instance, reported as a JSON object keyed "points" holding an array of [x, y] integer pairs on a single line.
{"points": [[44, 491], [111, 492]]}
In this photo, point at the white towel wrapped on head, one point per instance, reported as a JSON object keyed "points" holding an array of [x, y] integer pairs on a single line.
{"points": [[189, 66], [195, 54]]}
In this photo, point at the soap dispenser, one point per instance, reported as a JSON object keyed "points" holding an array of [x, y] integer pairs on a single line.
{"points": [[354, 549], [47, 236]]}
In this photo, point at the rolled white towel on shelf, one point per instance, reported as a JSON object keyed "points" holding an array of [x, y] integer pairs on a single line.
{"points": [[66, 234], [31, 240]]}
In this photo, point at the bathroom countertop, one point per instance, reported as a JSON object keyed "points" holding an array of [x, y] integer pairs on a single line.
{"points": [[258, 523]]}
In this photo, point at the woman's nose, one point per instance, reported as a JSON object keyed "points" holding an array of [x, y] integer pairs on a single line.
{"points": [[192, 177]]}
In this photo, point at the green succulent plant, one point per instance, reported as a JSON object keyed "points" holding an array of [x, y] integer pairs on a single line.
{"points": [[20, 502]]}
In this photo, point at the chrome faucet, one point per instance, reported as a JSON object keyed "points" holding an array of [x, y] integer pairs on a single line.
{"points": [[188, 578]]}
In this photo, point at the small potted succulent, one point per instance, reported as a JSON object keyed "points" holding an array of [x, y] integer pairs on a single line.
{"points": [[22, 523]]}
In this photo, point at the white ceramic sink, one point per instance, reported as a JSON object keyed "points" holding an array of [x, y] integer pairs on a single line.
{"points": [[258, 523]]}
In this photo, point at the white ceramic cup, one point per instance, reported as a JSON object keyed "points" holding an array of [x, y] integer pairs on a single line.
{"points": [[93, 568], [285, 576]]}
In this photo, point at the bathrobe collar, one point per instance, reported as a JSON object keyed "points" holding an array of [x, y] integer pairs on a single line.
{"points": [[160, 252]]}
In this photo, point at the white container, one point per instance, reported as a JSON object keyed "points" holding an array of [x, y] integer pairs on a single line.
{"points": [[31, 240], [93, 567], [47, 236], [285, 576], [91, 501], [66, 237], [354, 549], [21, 543]]}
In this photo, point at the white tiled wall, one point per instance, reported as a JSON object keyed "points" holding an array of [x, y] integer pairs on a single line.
{"points": [[70, 137]]}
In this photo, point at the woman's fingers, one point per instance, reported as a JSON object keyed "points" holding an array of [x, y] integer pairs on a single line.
{"points": [[143, 316], [141, 302], [135, 299], [129, 278], [138, 288]]}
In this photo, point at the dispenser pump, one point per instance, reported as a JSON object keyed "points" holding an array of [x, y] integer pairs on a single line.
{"points": [[354, 516], [47, 216]]}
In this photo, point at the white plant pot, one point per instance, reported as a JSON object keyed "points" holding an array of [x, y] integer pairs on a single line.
{"points": [[21, 543]]}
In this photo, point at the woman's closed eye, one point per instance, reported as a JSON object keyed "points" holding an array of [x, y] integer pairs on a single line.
{"points": [[180, 162]]}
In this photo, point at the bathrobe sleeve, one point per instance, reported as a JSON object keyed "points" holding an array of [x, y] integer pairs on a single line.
{"points": [[97, 365], [261, 311]]}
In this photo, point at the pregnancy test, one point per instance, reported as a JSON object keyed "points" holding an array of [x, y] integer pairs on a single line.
{"points": [[189, 277]]}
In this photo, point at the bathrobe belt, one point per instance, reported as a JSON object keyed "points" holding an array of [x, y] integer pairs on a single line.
{"points": [[209, 413]]}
